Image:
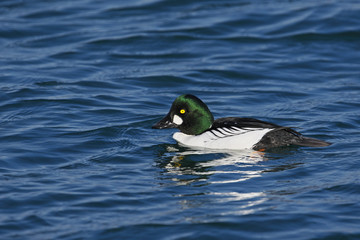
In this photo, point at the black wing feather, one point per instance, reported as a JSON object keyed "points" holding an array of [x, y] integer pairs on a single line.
{"points": [[229, 122], [279, 136]]}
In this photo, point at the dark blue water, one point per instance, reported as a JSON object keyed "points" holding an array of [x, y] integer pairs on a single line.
{"points": [[81, 83]]}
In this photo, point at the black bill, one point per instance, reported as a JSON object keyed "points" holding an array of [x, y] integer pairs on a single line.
{"points": [[165, 123]]}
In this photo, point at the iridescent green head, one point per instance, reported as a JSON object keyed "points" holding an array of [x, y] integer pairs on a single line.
{"points": [[189, 114]]}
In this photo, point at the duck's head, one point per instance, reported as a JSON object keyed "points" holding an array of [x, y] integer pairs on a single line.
{"points": [[189, 114]]}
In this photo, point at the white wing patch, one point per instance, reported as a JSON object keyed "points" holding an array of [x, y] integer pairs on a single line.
{"points": [[232, 131], [224, 138]]}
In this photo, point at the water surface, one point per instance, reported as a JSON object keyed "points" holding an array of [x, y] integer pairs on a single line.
{"points": [[82, 82]]}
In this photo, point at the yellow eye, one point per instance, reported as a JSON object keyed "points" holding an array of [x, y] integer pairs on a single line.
{"points": [[182, 111]]}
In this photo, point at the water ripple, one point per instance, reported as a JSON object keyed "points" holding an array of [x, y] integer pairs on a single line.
{"points": [[82, 83]]}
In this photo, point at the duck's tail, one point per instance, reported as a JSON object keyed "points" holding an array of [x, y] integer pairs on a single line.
{"points": [[311, 142]]}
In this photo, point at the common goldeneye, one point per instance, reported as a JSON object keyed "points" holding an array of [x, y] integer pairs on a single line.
{"points": [[199, 129]]}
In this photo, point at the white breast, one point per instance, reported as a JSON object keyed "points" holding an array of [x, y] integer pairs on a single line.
{"points": [[223, 138]]}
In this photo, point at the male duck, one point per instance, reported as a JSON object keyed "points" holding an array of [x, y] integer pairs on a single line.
{"points": [[198, 129]]}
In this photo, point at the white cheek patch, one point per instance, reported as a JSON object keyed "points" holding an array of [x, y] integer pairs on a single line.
{"points": [[177, 120]]}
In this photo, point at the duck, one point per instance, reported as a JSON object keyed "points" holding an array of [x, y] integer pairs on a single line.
{"points": [[198, 129]]}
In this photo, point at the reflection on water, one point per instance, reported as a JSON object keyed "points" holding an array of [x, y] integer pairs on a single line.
{"points": [[187, 166], [201, 164], [197, 174]]}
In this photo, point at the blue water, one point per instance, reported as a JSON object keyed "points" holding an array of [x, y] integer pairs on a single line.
{"points": [[82, 82]]}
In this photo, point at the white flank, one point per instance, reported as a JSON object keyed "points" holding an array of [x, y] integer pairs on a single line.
{"points": [[223, 138], [177, 120]]}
